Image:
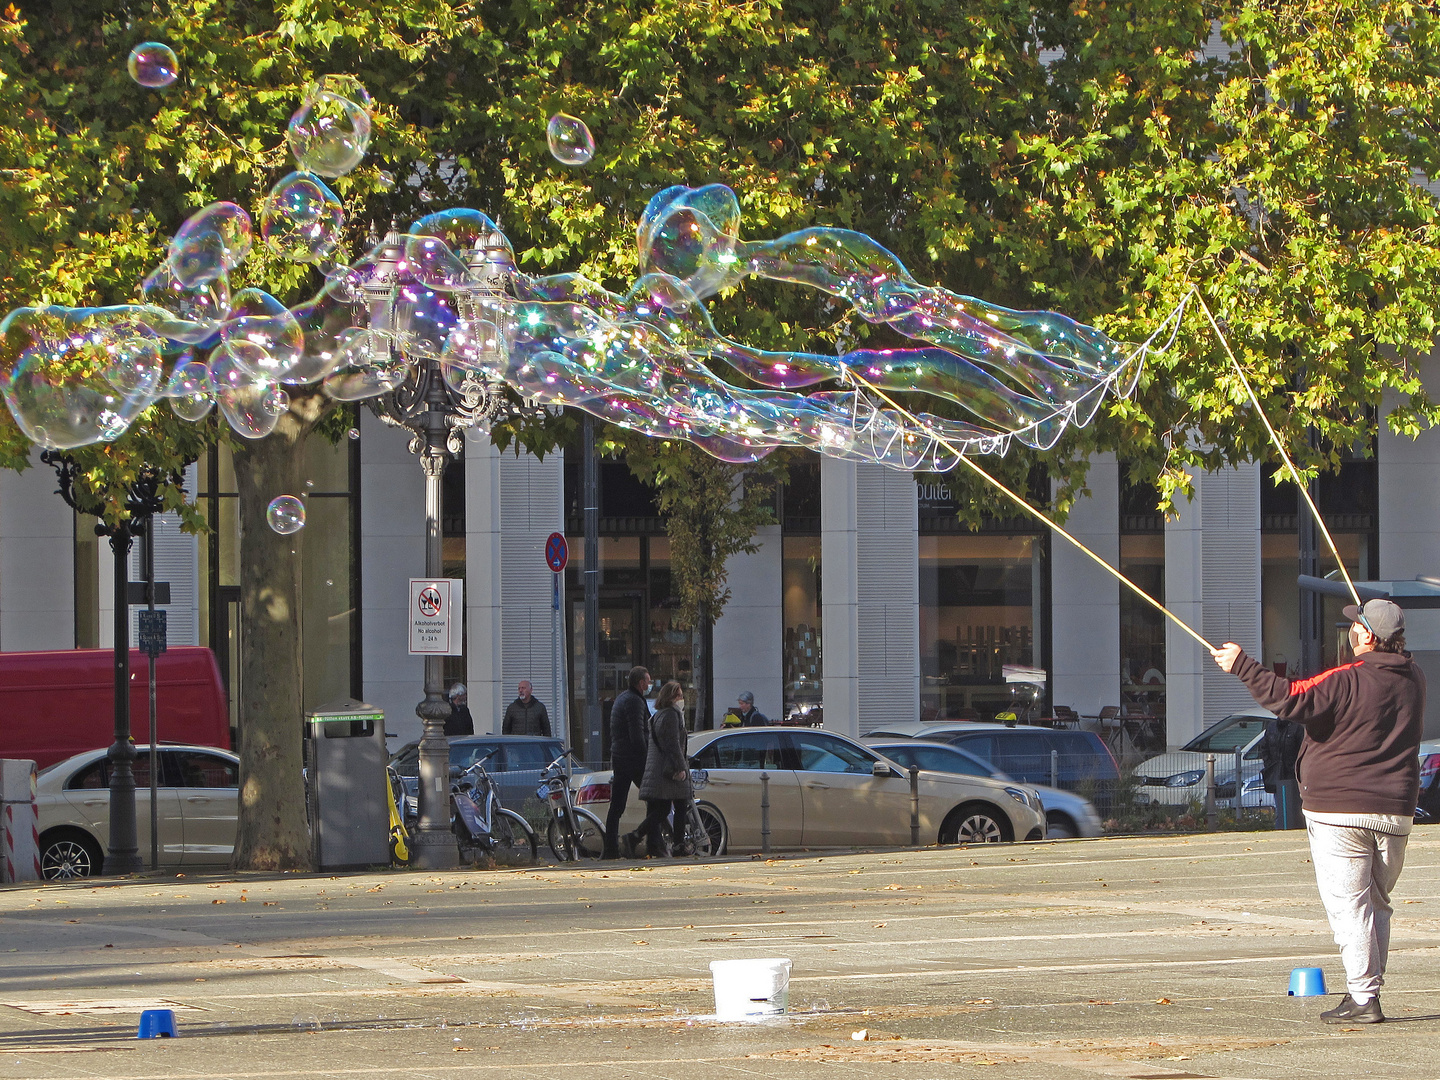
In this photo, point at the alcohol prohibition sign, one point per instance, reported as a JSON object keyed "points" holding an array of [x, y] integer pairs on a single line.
{"points": [[557, 552]]}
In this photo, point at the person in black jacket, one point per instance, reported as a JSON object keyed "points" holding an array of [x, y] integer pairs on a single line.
{"points": [[459, 722], [1279, 752], [629, 736], [526, 715], [1359, 770]]}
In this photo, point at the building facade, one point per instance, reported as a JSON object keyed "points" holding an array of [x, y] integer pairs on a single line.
{"points": [[864, 597]]}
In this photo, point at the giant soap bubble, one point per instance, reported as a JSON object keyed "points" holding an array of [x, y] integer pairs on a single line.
{"points": [[153, 64], [74, 376], [262, 334], [285, 514], [570, 140], [211, 243], [330, 132], [302, 218]]}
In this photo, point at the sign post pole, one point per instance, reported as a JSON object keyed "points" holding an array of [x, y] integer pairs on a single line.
{"points": [[557, 554]]}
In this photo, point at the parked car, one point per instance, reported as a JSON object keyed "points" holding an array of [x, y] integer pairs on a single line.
{"points": [[1429, 808], [1066, 813], [1178, 778], [515, 767], [1081, 762], [60, 703], [197, 809], [830, 791]]}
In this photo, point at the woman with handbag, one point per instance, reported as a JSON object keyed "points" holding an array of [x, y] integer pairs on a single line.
{"points": [[666, 784]]}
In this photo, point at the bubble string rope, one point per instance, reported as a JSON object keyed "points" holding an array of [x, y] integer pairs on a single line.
{"points": [[1284, 455], [1173, 321]]}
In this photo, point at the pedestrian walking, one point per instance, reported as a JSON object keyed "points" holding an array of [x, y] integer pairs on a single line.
{"points": [[526, 715], [1359, 773], [459, 722], [748, 714], [629, 734], [1279, 751], [666, 784]]}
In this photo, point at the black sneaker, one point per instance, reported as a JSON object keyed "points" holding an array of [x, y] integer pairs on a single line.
{"points": [[1348, 1012]]}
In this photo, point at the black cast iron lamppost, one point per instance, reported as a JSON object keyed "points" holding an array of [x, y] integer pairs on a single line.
{"points": [[437, 400], [141, 505]]}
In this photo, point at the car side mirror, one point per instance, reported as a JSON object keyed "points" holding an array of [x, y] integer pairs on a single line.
{"points": [[881, 769]]}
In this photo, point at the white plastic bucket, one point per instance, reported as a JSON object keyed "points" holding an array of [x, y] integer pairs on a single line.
{"points": [[750, 989]]}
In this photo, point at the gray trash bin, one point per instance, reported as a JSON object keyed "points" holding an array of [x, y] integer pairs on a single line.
{"points": [[345, 758]]}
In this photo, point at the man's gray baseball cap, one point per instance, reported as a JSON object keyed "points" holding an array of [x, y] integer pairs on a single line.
{"points": [[1381, 617]]}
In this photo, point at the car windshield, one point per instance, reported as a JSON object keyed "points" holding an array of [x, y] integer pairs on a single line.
{"points": [[1229, 734]]}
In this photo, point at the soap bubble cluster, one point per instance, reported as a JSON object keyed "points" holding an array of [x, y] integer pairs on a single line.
{"points": [[649, 358], [285, 514], [153, 64], [570, 140]]}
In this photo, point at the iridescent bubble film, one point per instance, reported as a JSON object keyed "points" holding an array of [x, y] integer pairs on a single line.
{"points": [[285, 514], [153, 64], [570, 140], [302, 218], [448, 292], [330, 132], [212, 243]]}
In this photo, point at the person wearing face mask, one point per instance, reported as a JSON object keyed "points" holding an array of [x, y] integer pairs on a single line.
{"points": [[666, 783], [1359, 773]]}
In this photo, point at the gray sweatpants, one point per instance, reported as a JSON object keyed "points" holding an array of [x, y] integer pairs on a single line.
{"points": [[1355, 870]]}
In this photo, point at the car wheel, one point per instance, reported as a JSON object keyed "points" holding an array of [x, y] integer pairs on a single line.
{"points": [[66, 854], [1060, 827], [976, 823]]}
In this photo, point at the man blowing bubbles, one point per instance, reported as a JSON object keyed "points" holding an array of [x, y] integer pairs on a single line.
{"points": [[1359, 772]]}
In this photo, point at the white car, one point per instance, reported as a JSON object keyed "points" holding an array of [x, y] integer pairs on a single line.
{"points": [[198, 807], [1178, 778], [830, 791], [1067, 814]]}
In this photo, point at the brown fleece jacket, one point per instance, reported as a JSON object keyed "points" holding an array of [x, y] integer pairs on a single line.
{"points": [[1362, 731]]}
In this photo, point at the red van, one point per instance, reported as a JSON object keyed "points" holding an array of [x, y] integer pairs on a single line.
{"points": [[56, 704]]}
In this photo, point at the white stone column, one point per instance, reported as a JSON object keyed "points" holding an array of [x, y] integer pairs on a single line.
{"points": [[1085, 599], [37, 561], [392, 551], [1410, 493], [484, 675], [1212, 581], [532, 497], [840, 653], [750, 631]]}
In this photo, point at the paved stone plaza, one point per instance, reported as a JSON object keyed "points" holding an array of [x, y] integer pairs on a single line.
{"points": [[1133, 958]]}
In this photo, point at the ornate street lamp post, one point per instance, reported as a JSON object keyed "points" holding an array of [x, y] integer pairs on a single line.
{"points": [[142, 504], [437, 411]]}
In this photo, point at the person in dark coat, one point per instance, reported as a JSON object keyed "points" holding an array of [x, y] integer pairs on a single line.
{"points": [[666, 785], [748, 714], [459, 722], [629, 734], [526, 715], [1279, 751]]}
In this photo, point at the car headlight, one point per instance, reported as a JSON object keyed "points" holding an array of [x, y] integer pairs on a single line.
{"points": [[1022, 796], [1185, 779]]}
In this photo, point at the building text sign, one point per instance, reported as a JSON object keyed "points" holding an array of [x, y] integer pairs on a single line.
{"points": [[436, 607]]}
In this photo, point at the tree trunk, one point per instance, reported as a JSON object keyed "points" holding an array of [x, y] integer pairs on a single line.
{"points": [[272, 832]]}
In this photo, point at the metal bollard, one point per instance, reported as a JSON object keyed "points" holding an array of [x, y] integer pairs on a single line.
{"points": [[1239, 782], [1055, 768], [1209, 791], [765, 813], [914, 805]]}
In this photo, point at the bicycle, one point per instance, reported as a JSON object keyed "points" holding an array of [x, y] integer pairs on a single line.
{"points": [[573, 833], [705, 832], [480, 823]]}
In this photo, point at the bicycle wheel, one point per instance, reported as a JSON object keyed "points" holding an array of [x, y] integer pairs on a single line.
{"points": [[712, 837], [561, 838], [589, 834], [512, 839]]}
